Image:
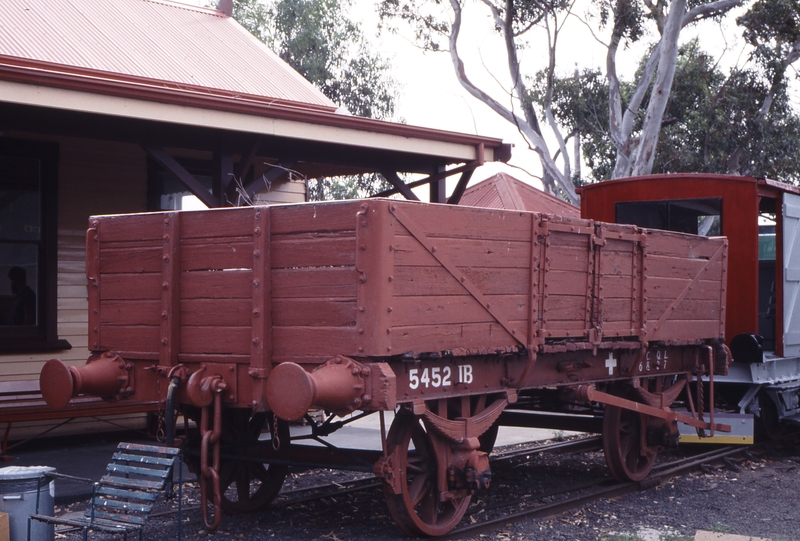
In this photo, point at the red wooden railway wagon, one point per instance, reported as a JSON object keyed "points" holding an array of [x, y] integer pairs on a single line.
{"points": [[251, 316]]}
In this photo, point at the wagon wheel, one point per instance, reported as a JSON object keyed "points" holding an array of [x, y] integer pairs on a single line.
{"points": [[623, 434], [418, 509], [248, 485], [769, 427]]}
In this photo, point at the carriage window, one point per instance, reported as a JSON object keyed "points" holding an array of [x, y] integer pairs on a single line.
{"points": [[766, 237], [696, 216]]}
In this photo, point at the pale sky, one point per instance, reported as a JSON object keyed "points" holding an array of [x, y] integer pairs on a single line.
{"points": [[431, 96]]}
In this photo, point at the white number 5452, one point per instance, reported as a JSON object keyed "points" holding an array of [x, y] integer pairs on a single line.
{"points": [[430, 377]]}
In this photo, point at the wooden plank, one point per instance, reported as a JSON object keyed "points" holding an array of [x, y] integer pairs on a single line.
{"points": [[133, 312], [673, 267], [436, 280], [130, 257], [564, 239], [669, 288], [74, 292], [562, 282], [615, 286], [170, 289], [564, 308], [324, 312], [615, 309], [215, 340], [469, 223], [570, 258], [565, 328], [216, 223], [322, 251], [73, 303], [225, 312], [464, 253], [72, 316], [669, 244], [616, 263], [216, 285], [139, 338], [130, 286], [310, 360], [71, 279], [327, 341], [687, 330], [435, 338], [314, 217], [446, 310], [688, 309], [333, 282], [261, 320], [217, 254], [130, 227]]}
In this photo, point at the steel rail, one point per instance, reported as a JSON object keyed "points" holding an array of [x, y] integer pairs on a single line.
{"points": [[664, 471]]}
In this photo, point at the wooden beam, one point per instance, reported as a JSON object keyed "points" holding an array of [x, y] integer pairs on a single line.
{"points": [[221, 175], [458, 192], [195, 186], [438, 188], [400, 186], [436, 176], [246, 162]]}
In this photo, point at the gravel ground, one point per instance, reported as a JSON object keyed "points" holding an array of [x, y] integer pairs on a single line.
{"points": [[757, 496]]}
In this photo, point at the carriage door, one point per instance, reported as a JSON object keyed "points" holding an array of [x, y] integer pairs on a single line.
{"points": [[791, 275]]}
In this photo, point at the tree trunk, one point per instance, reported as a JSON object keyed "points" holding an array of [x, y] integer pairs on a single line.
{"points": [[646, 151]]}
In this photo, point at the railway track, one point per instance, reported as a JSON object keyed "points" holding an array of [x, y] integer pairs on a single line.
{"points": [[576, 496], [306, 494], [492, 511]]}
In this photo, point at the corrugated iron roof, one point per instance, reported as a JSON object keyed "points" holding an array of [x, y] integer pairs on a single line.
{"points": [[503, 191], [157, 42]]}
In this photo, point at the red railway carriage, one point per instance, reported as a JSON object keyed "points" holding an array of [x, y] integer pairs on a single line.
{"points": [[248, 317], [761, 219]]}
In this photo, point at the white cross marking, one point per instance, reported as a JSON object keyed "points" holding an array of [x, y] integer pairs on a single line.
{"points": [[611, 363]]}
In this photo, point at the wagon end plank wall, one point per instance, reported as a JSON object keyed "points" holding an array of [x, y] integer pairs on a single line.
{"points": [[379, 278]]}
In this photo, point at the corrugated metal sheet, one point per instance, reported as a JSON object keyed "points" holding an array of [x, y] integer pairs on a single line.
{"points": [[168, 42], [503, 191]]}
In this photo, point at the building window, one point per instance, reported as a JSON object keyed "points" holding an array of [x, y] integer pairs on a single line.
{"points": [[28, 246]]}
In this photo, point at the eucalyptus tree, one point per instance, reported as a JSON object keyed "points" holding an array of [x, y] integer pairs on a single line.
{"points": [[712, 121], [438, 25]]}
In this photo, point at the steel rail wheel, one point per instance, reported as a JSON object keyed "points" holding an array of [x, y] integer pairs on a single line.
{"points": [[623, 432], [248, 485], [419, 509]]}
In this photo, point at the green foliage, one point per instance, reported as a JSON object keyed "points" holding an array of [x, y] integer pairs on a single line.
{"points": [[709, 125], [772, 27], [580, 105], [627, 15], [345, 187], [326, 47]]}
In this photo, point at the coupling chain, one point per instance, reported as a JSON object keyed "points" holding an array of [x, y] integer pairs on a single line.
{"points": [[210, 473], [276, 439]]}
